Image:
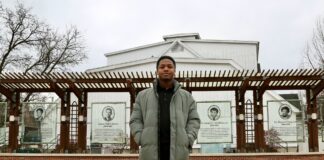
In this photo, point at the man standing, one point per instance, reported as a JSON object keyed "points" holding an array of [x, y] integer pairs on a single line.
{"points": [[165, 121]]}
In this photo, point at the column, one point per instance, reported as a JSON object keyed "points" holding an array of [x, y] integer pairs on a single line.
{"points": [[258, 121], [312, 122], [14, 103], [240, 122]]}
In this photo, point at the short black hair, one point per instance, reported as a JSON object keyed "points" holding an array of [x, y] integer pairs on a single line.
{"points": [[284, 108], [214, 109], [165, 57], [109, 109], [39, 109]]}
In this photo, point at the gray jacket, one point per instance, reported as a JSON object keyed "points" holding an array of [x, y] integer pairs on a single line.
{"points": [[184, 126]]}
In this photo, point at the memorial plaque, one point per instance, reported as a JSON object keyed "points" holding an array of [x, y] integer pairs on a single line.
{"points": [[286, 119], [108, 123], [39, 122], [216, 122]]}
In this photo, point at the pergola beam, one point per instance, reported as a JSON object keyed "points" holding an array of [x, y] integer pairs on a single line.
{"points": [[7, 92], [77, 91], [243, 88], [188, 85], [131, 87], [263, 88], [59, 92], [148, 80], [317, 89]]}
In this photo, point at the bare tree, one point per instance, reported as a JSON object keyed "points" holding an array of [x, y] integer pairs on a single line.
{"points": [[314, 50], [56, 53], [28, 44], [20, 30]]}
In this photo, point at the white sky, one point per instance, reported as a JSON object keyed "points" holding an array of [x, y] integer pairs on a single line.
{"points": [[282, 27]]}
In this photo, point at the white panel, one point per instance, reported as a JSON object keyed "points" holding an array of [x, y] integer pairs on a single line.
{"points": [[243, 54], [137, 54], [180, 67], [181, 54]]}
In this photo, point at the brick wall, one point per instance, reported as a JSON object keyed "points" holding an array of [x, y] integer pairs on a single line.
{"points": [[253, 156]]}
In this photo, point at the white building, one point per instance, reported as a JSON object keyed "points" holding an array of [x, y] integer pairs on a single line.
{"points": [[191, 53]]}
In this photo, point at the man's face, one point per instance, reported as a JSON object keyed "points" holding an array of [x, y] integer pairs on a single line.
{"points": [[213, 113], [166, 70], [108, 112], [284, 112], [38, 113]]}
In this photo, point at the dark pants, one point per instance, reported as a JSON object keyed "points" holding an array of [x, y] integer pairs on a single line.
{"points": [[165, 151]]}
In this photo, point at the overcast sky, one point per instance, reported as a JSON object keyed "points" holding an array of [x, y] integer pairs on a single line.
{"points": [[282, 27]]}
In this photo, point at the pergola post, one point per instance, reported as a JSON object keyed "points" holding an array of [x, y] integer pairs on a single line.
{"points": [[65, 123], [258, 122], [312, 122], [133, 146], [240, 122], [188, 85], [82, 123], [14, 103]]}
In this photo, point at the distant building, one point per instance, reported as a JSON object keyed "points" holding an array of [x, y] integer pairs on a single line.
{"points": [[191, 53]]}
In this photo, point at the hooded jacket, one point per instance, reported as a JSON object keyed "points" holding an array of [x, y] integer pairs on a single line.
{"points": [[184, 119]]}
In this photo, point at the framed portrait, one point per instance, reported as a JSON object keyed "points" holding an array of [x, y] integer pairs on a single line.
{"points": [[214, 112], [284, 111], [39, 113], [108, 113]]}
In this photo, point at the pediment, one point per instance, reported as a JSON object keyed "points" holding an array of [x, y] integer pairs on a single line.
{"points": [[180, 50]]}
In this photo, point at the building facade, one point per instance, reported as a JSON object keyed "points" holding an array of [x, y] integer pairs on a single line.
{"points": [[195, 54]]}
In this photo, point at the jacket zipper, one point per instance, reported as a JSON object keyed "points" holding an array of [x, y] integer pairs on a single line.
{"points": [[157, 96]]}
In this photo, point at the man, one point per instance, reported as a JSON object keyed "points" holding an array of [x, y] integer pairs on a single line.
{"points": [[39, 114], [213, 113], [108, 114], [164, 121]]}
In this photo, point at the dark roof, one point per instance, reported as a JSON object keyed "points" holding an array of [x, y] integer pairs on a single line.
{"points": [[293, 99]]}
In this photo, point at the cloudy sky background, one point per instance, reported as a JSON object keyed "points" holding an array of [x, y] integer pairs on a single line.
{"points": [[282, 27]]}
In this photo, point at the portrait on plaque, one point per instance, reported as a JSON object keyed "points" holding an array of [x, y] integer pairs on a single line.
{"points": [[214, 112], [216, 122], [284, 111], [108, 113], [110, 127], [39, 114]]}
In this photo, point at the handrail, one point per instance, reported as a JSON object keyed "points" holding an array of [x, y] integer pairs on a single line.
{"points": [[52, 143], [281, 146]]}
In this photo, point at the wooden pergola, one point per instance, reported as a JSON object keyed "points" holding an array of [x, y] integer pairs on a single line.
{"points": [[239, 81]]}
